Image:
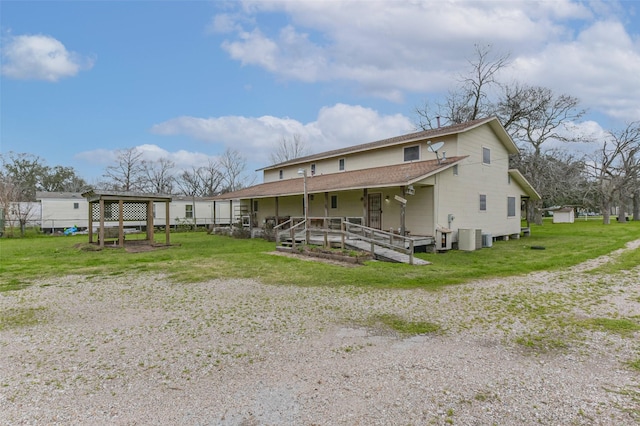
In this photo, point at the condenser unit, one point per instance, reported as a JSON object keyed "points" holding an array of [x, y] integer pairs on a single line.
{"points": [[469, 239], [487, 240]]}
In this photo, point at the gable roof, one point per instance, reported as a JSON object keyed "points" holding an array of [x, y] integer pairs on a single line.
{"points": [[376, 177], [493, 122], [524, 184]]}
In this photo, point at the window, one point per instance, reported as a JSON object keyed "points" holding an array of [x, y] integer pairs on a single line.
{"points": [[188, 211], [76, 206], [486, 156], [511, 206], [281, 174], [341, 164], [412, 153], [255, 205], [455, 170], [334, 201], [313, 169], [483, 202]]}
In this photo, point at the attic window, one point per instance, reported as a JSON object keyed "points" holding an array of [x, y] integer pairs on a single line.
{"points": [[412, 153], [341, 164], [486, 156], [313, 169], [280, 174], [76, 206]]}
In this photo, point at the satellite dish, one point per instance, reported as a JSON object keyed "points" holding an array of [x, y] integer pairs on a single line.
{"points": [[435, 147]]}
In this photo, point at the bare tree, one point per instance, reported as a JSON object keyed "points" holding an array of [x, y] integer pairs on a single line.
{"points": [[614, 168], [190, 183], [289, 149], [212, 179], [232, 167], [158, 176], [126, 174], [470, 100]]}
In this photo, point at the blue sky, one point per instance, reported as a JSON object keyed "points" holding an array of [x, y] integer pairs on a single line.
{"points": [[187, 80]]}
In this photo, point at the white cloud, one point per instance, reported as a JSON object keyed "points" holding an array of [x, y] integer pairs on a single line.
{"points": [[40, 57], [391, 48], [337, 126], [601, 67]]}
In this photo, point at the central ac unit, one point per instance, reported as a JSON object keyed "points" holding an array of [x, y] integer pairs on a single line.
{"points": [[469, 239]]}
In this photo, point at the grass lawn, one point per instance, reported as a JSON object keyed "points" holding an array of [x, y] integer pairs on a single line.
{"points": [[197, 256]]}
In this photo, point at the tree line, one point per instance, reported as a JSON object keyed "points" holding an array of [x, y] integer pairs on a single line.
{"points": [[535, 117]]}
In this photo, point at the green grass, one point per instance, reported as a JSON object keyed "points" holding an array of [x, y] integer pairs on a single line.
{"points": [[622, 326], [197, 257], [407, 328], [19, 317]]}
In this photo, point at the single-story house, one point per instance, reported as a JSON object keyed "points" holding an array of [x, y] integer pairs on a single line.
{"points": [[455, 178], [60, 210]]}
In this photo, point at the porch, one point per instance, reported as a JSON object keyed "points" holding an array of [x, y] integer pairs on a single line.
{"points": [[349, 233]]}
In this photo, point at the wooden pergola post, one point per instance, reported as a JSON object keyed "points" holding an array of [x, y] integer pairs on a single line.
{"points": [[101, 230], [150, 221], [166, 228]]}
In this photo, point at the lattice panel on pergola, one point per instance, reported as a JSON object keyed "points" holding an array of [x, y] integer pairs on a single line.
{"points": [[130, 211]]}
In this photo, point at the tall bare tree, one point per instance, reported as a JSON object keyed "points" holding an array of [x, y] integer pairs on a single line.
{"points": [[289, 149], [614, 168], [232, 166], [126, 174], [471, 98], [158, 176]]}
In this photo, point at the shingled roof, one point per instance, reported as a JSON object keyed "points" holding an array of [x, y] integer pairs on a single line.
{"points": [[417, 136], [376, 177]]}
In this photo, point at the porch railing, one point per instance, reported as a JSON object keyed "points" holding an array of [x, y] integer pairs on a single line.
{"points": [[338, 230], [379, 238]]}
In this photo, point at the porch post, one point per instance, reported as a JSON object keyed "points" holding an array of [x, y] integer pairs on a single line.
{"points": [[277, 211], [365, 203], [326, 221]]}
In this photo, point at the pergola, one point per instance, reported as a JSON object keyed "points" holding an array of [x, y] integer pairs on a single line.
{"points": [[111, 206]]}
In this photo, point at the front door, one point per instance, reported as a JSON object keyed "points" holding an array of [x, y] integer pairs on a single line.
{"points": [[374, 210]]}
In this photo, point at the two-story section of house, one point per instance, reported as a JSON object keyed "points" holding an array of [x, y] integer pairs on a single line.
{"points": [[453, 177]]}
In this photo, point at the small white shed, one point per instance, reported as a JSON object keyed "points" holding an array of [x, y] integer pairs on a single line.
{"points": [[563, 215]]}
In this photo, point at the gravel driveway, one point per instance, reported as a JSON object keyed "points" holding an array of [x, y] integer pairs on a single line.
{"points": [[140, 350]]}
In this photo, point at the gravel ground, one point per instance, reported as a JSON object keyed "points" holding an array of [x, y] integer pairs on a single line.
{"points": [[142, 350]]}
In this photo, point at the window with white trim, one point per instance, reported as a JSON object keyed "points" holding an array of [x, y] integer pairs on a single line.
{"points": [[341, 164], [188, 211], [483, 202]]}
